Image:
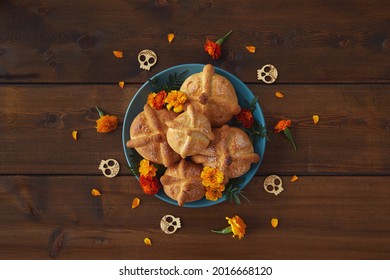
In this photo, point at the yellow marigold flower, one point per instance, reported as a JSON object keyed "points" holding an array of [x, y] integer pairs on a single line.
{"points": [[146, 169], [106, 123], [175, 99], [212, 177], [214, 193], [237, 226]]}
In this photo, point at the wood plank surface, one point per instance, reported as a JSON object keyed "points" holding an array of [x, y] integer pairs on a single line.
{"points": [[56, 217], [308, 41], [352, 136]]}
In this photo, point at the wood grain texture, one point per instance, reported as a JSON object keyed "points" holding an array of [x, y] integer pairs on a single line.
{"points": [[308, 41], [348, 220], [352, 136]]}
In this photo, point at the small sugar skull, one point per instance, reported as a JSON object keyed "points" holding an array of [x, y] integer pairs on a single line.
{"points": [[146, 59], [109, 167], [268, 74], [169, 224], [273, 184]]}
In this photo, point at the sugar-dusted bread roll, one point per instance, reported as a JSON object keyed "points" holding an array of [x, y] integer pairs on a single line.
{"points": [[182, 182], [189, 133], [231, 152], [211, 94], [148, 136]]}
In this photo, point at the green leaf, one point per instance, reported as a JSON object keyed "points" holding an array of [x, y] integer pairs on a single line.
{"points": [[289, 136], [173, 83]]}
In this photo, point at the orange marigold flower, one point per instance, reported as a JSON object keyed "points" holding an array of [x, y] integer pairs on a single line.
{"points": [[245, 117], [146, 169], [157, 100], [150, 185], [214, 49], [237, 226], [282, 125], [107, 123]]}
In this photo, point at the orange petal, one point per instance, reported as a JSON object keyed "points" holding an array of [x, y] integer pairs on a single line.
{"points": [[316, 119], [118, 54], [74, 134], [251, 49], [279, 94], [136, 202], [147, 241], [121, 84], [170, 36], [294, 178], [274, 222], [95, 192]]}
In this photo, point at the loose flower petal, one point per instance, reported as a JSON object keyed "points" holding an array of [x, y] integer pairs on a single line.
{"points": [[147, 241], [170, 37], [74, 134], [274, 222], [136, 202], [251, 49], [95, 192], [121, 84], [278, 94], [316, 119], [118, 54], [294, 178]]}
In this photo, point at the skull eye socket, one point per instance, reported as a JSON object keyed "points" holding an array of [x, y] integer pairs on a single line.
{"points": [[111, 163], [171, 228], [268, 78], [151, 60], [270, 187], [107, 171], [142, 57], [277, 182], [169, 219], [267, 69]]}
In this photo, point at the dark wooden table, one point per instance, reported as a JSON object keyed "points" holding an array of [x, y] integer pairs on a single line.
{"points": [[56, 65]]}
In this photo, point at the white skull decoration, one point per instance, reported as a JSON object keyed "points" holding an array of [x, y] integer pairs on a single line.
{"points": [[273, 184], [169, 224], [268, 74], [146, 59], [109, 167]]}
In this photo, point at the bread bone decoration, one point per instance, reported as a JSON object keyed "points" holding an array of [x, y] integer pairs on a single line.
{"points": [[182, 182], [189, 133], [212, 94], [231, 152], [148, 136]]}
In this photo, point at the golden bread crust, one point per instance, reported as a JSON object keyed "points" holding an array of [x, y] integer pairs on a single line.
{"points": [[182, 182]]}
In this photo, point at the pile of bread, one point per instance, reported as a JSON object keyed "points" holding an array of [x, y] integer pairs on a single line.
{"points": [[184, 143]]}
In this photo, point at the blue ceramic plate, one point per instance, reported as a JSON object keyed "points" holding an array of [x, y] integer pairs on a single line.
{"points": [[244, 95]]}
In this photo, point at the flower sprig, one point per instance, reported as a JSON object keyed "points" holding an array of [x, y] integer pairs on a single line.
{"points": [[236, 226], [283, 125], [214, 48], [105, 123], [249, 123]]}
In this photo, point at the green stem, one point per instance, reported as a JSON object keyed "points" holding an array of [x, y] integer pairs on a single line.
{"points": [[101, 113], [220, 41], [224, 231]]}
